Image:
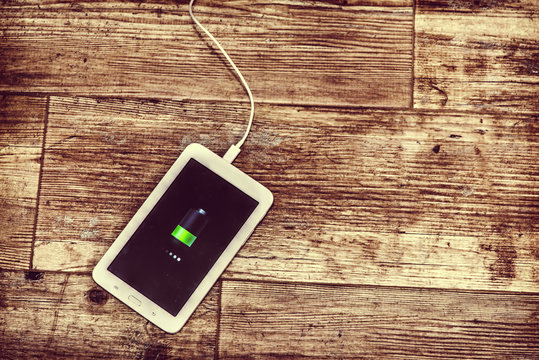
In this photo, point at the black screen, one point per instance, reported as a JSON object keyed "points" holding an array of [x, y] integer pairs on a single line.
{"points": [[182, 237]]}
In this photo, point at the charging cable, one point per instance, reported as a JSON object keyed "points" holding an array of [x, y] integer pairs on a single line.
{"points": [[234, 150]]}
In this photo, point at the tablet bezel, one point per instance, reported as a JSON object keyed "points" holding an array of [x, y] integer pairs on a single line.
{"points": [[148, 308]]}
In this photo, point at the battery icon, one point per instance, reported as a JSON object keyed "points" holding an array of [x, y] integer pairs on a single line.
{"points": [[192, 224]]}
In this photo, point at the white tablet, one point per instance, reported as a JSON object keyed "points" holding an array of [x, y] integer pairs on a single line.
{"points": [[183, 237]]}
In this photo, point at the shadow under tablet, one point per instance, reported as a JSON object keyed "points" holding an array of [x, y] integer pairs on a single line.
{"points": [[183, 236]]}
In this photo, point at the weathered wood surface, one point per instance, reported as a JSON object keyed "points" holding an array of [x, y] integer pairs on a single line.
{"points": [[291, 52], [480, 56], [419, 199], [21, 136], [53, 315], [285, 321], [392, 229]]}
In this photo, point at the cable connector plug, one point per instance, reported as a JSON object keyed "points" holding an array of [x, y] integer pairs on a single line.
{"points": [[232, 153]]}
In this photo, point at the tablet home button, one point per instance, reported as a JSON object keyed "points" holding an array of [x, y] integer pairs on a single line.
{"points": [[134, 300]]}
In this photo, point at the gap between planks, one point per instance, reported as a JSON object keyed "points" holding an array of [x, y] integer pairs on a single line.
{"points": [[41, 160], [224, 278]]}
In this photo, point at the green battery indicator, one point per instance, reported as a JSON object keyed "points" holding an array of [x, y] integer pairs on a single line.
{"points": [[192, 224], [184, 235]]}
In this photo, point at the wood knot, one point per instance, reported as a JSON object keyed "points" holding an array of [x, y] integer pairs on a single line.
{"points": [[436, 149], [33, 275], [156, 351], [504, 265], [98, 296]]}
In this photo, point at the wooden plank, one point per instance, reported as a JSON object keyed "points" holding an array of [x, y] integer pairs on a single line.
{"points": [[21, 136], [285, 321], [477, 55], [361, 196], [53, 315], [334, 53]]}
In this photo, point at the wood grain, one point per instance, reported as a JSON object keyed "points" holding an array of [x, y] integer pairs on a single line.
{"points": [[479, 56], [400, 139], [286, 321], [61, 316], [333, 53], [21, 136], [361, 196]]}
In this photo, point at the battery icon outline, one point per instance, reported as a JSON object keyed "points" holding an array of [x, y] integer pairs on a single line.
{"points": [[190, 227]]}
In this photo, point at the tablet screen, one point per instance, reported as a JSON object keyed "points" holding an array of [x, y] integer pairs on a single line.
{"points": [[183, 236]]}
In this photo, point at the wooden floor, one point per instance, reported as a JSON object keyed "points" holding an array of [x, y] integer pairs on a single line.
{"points": [[399, 137]]}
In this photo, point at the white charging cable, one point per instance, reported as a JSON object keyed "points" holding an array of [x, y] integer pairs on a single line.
{"points": [[234, 150]]}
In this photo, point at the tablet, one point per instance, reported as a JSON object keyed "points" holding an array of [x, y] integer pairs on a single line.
{"points": [[183, 237]]}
